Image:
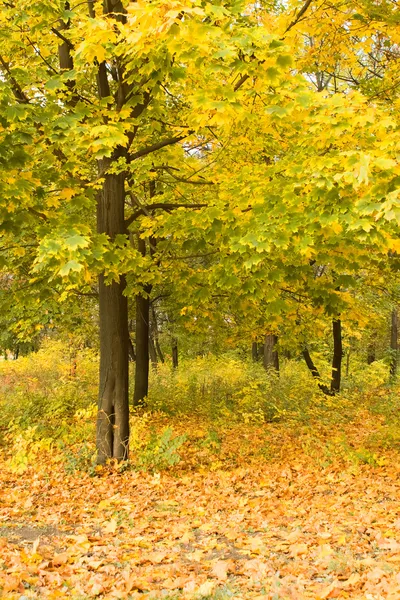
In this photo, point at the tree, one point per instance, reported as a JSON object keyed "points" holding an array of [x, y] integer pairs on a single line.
{"points": [[111, 97]]}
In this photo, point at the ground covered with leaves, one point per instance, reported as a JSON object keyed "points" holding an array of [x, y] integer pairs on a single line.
{"points": [[266, 511]]}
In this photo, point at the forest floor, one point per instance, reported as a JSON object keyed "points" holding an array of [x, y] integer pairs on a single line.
{"points": [[260, 512]]}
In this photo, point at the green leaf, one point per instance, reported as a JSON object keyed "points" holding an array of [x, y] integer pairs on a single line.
{"points": [[76, 241], [71, 265]]}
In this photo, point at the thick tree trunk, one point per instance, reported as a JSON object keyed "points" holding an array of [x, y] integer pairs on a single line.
{"points": [[271, 357], [142, 347], [394, 347], [174, 352], [113, 404], [254, 351], [337, 355]]}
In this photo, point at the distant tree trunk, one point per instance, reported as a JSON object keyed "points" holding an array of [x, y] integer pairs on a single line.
{"points": [[16, 353], [174, 352], [348, 362], [254, 351], [159, 351], [142, 347], [155, 332], [337, 355], [394, 347], [153, 352], [371, 353], [131, 350], [271, 357], [314, 372]]}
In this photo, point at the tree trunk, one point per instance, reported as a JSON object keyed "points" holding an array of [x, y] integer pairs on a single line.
{"points": [[371, 353], [314, 372], [159, 351], [394, 347], [337, 355], [271, 357], [174, 352], [155, 332], [153, 352], [142, 346], [254, 351], [131, 350], [113, 404]]}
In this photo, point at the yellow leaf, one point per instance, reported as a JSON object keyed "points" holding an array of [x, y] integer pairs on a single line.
{"points": [[110, 526]]}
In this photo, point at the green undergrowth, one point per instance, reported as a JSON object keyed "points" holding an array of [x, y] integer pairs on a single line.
{"points": [[48, 406]]}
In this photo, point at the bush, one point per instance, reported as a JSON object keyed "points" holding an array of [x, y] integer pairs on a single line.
{"points": [[219, 388], [47, 387]]}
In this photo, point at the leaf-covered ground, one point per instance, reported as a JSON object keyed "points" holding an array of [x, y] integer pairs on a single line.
{"points": [[296, 516]]}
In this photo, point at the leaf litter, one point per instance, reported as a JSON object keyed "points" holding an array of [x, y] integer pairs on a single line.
{"points": [[241, 527]]}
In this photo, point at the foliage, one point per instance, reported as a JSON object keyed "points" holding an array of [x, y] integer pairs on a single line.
{"points": [[159, 451], [46, 388]]}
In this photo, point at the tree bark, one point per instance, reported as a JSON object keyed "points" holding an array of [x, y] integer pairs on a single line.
{"points": [[113, 404], [271, 357], [337, 355], [394, 347]]}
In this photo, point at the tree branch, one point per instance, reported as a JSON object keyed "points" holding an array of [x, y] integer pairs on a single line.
{"points": [[158, 146], [301, 13], [62, 37], [182, 179], [20, 96], [160, 206]]}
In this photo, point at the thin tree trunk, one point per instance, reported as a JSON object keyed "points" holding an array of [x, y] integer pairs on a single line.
{"points": [[174, 352], [254, 351], [131, 350], [113, 405], [153, 352], [371, 353], [314, 372], [142, 346], [271, 357], [156, 335], [337, 355], [348, 362], [159, 351], [394, 347]]}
